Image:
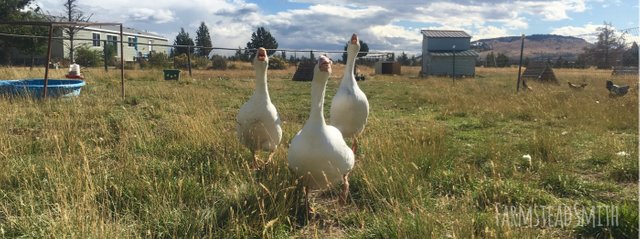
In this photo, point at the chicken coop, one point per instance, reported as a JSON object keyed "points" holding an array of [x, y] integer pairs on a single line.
{"points": [[447, 52], [304, 71], [540, 71], [387, 68]]}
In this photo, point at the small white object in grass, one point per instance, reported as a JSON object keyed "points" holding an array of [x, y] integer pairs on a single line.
{"points": [[564, 133], [528, 158], [622, 154], [597, 102]]}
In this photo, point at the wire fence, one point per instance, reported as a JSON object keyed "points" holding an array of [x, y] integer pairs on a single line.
{"points": [[287, 50], [629, 34]]}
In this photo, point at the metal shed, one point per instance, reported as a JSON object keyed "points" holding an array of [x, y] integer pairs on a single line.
{"points": [[447, 52]]}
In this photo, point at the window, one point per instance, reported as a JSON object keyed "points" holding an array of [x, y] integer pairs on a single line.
{"points": [[132, 41], [112, 40], [96, 39], [150, 45]]}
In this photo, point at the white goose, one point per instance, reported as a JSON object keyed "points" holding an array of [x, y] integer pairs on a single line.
{"points": [[318, 152], [258, 121], [349, 107]]}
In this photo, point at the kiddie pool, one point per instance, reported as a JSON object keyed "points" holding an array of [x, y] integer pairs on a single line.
{"points": [[34, 87]]}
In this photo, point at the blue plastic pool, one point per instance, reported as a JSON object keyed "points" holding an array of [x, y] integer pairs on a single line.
{"points": [[34, 87]]}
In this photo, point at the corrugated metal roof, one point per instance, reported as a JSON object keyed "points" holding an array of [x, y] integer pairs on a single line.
{"points": [[458, 53], [445, 33], [125, 30]]}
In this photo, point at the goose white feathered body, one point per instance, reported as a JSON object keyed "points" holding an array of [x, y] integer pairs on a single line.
{"points": [[258, 121], [349, 110], [318, 152], [350, 107]]}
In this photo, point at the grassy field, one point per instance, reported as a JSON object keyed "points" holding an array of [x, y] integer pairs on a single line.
{"points": [[437, 159]]}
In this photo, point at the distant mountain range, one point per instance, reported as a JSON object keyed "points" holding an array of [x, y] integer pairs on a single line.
{"points": [[536, 47]]}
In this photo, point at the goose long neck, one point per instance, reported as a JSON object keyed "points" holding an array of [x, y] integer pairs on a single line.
{"points": [[349, 78], [316, 116], [261, 83]]}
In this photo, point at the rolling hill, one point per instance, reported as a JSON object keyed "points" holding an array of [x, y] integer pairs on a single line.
{"points": [[535, 46]]}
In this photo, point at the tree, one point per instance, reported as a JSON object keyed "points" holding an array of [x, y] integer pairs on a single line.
{"points": [[31, 46], [9, 10], [414, 61], [490, 60], [606, 50], [560, 63], [241, 55], [183, 39], [262, 38], [403, 59], [73, 14], [630, 56], [364, 50], [502, 60], [203, 39]]}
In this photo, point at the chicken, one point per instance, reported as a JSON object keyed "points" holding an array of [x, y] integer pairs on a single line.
{"points": [[577, 86], [617, 90]]}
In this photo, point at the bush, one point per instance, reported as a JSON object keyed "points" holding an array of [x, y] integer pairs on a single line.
{"points": [[180, 61], [88, 57], [277, 63], [159, 60], [218, 63], [111, 54], [200, 62]]}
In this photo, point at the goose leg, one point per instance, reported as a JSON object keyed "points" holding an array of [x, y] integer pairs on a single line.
{"points": [[270, 156], [256, 160], [354, 145], [345, 189], [307, 204]]}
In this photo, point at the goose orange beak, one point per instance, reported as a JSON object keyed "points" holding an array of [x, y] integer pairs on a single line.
{"points": [[325, 64], [262, 54], [354, 39]]}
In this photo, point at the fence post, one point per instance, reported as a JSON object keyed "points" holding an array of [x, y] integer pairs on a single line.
{"points": [[520, 64], [46, 68], [453, 75], [121, 61], [104, 54], [189, 59]]}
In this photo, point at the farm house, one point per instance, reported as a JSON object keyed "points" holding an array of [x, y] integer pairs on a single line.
{"points": [[442, 48], [136, 42]]}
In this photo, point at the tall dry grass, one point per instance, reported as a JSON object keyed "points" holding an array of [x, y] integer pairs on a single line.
{"points": [[436, 159]]}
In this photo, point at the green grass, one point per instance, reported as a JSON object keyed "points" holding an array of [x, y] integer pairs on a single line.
{"points": [[437, 159]]}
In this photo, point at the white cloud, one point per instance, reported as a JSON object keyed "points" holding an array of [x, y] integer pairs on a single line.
{"points": [[327, 24], [147, 14], [489, 32], [586, 32]]}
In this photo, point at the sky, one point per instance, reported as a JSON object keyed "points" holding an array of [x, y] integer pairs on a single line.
{"points": [[385, 25]]}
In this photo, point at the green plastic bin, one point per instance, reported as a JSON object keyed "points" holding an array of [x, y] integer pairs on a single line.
{"points": [[171, 74]]}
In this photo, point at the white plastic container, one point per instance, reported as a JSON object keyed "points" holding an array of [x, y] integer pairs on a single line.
{"points": [[74, 69]]}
